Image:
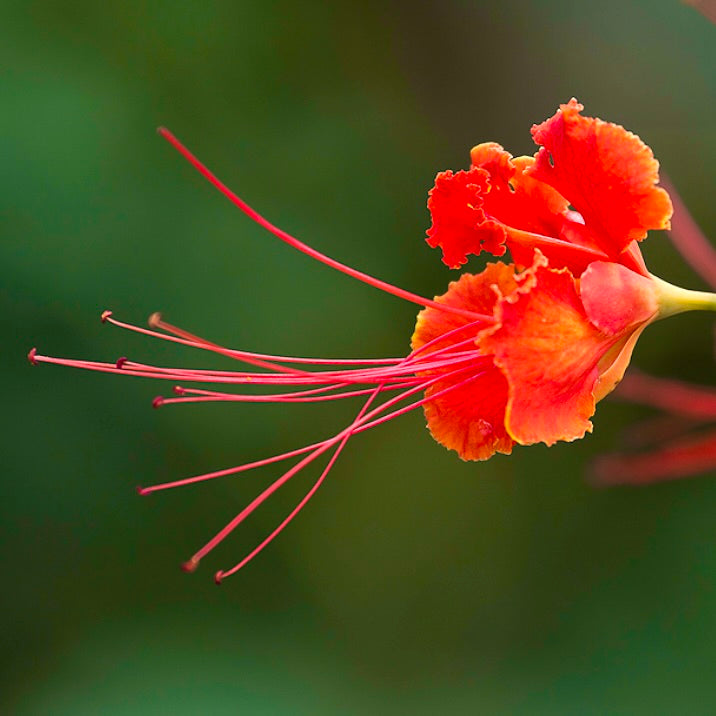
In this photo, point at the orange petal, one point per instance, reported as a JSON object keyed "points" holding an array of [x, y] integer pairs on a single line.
{"points": [[459, 224], [549, 352], [469, 419], [535, 215], [607, 174], [517, 199], [614, 364]]}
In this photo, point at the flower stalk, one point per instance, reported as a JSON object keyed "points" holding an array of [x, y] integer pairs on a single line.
{"points": [[674, 299]]}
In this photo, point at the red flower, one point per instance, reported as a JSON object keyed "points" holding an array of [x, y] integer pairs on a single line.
{"points": [[566, 324], [517, 354]]}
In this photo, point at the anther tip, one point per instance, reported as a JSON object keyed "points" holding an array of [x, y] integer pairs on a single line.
{"points": [[157, 401], [155, 319], [178, 390], [141, 490], [190, 565], [120, 362], [105, 315], [31, 356], [219, 577]]}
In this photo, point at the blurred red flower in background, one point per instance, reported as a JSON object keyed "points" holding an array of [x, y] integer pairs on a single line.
{"points": [[681, 440]]}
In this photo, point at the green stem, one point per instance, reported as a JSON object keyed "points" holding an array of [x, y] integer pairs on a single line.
{"points": [[673, 299]]}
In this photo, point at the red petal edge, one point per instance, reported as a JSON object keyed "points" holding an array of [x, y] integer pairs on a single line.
{"points": [[459, 224], [607, 173]]}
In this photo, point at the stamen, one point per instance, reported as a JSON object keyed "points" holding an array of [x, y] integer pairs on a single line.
{"points": [[223, 533], [530, 239], [367, 375], [196, 342], [299, 396], [221, 574], [580, 255], [264, 360], [442, 337], [228, 471], [422, 368], [156, 321], [341, 438], [304, 248]]}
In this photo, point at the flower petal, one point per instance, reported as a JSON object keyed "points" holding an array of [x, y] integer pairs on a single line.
{"points": [[616, 298], [614, 364], [549, 352], [607, 173], [469, 419], [534, 215], [517, 199], [459, 224]]}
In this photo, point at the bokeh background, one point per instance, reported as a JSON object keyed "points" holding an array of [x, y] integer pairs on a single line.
{"points": [[413, 582]]}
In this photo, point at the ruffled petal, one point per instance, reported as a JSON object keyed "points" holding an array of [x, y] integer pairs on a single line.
{"points": [[549, 352], [459, 224], [534, 215], [517, 199], [607, 173], [469, 419]]}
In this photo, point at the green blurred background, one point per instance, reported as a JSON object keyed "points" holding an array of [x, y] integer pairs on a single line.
{"points": [[413, 582]]}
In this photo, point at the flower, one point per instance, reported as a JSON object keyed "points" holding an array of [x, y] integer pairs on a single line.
{"points": [[568, 315], [516, 354]]}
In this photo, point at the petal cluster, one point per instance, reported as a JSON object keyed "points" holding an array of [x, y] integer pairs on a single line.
{"points": [[568, 310]]}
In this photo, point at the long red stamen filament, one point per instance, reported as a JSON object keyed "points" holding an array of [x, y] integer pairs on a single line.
{"points": [[221, 574], [287, 455], [533, 240], [304, 248], [157, 322], [431, 363], [443, 337], [372, 375], [390, 376], [300, 396], [188, 340], [322, 447], [631, 257]]}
